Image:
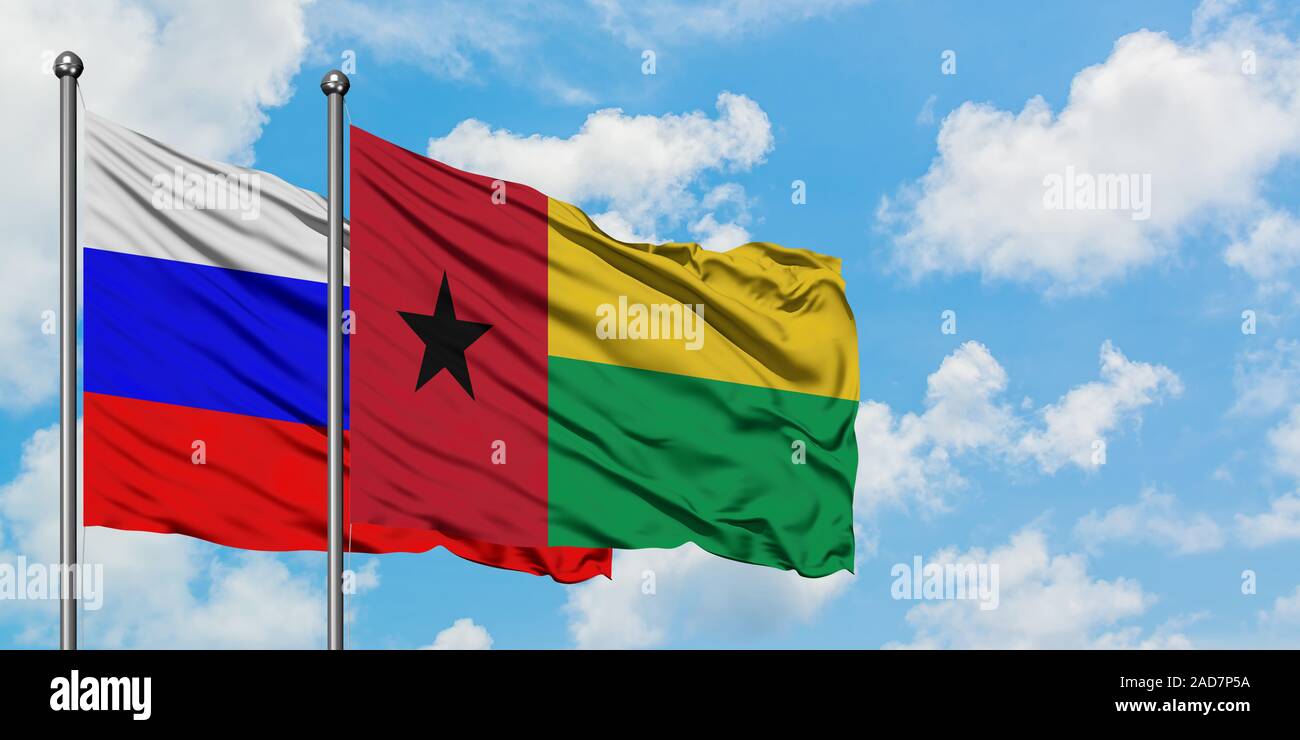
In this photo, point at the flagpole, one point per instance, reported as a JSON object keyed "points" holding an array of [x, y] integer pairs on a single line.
{"points": [[335, 85], [67, 68]]}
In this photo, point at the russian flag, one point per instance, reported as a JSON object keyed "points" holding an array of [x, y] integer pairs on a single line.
{"points": [[205, 360]]}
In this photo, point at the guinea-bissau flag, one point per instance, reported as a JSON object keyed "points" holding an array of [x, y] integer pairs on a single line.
{"points": [[206, 362], [519, 376]]}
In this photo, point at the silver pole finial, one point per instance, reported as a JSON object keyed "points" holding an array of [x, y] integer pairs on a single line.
{"points": [[334, 81], [68, 64]]}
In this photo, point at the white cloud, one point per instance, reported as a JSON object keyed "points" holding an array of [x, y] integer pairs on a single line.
{"points": [[1166, 636], [1284, 439], [365, 578], [673, 21], [898, 464], [1279, 524], [960, 411], [1210, 14], [1186, 114], [641, 167], [1045, 601], [719, 236], [925, 116], [452, 39], [614, 224], [1090, 412], [662, 595], [256, 602], [1155, 519], [909, 459], [463, 634], [1285, 611], [158, 590], [1267, 381], [1269, 250], [446, 37], [728, 199], [198, 75], [566, 92]]}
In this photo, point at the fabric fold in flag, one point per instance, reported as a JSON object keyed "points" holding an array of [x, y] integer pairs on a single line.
{"points": [[206, 361], [574, 390]]}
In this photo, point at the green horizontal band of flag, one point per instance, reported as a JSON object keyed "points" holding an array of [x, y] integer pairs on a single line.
{"points": [[645, 459]]}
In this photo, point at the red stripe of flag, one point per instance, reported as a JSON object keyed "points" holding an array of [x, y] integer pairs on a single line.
{"points": [[260, 487]]}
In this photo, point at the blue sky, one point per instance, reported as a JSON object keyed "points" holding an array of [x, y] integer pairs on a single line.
{"points": [[976, 445]]}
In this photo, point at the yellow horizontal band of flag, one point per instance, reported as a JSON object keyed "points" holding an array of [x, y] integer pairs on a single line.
{"points": [[772, 317]]}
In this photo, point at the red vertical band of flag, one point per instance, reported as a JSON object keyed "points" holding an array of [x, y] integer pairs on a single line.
{"points": [[437, 458]]}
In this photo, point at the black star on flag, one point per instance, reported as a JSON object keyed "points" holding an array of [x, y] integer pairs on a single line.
{"points": [[445, 339]]}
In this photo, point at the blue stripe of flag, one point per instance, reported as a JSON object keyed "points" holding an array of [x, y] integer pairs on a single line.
{"points": [[207, 337]]}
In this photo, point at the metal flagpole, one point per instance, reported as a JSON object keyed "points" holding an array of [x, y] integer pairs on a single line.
{"points": [[68, 67], [335, 85]]}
